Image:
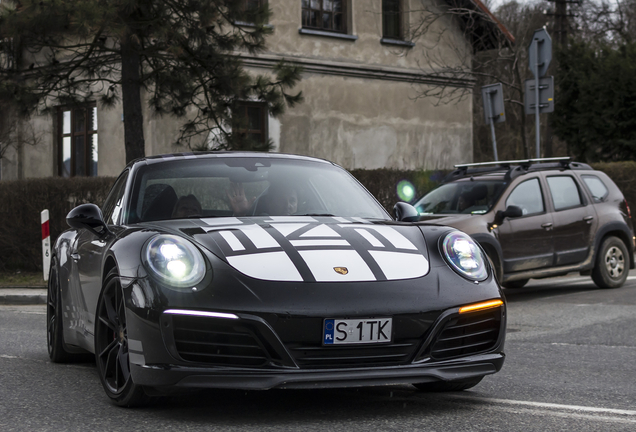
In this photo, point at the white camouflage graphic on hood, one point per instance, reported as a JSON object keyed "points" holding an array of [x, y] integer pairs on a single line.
{"points": [[302, 248]]}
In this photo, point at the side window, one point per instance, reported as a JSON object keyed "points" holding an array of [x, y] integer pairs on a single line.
{"points": [[528, 196], [114, 202], [596, 187], [565, 193]]}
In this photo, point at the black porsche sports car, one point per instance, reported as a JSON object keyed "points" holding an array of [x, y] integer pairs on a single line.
{"points": [[259, 271]]}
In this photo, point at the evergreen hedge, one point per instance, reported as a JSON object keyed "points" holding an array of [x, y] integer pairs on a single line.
{"points": [[23, 200]]}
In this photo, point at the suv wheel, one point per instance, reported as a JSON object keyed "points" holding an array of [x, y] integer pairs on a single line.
{"points": [[611, 267]]}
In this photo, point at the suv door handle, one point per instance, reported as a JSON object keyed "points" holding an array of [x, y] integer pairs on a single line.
{"points": [[588, 219], [75, 256], [547, 226]]}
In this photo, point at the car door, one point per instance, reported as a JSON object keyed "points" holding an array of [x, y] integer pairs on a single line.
{"points": [[89, 253], [526, 241], [574, 219]]}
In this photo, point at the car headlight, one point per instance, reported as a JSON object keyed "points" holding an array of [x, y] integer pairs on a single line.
{"points": [[174, 261], [465, 256]]}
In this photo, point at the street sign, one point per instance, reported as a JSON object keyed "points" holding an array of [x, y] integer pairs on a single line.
{"points": [[492, 97], [546, 96], [540, 51], [539, 56]]}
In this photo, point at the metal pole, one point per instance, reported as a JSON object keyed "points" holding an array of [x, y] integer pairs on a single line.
{"points": [[536, 98], [491, 116]]}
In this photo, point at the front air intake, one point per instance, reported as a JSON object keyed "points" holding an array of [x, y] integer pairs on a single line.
{"points": [[468, 334], [204, 340]]}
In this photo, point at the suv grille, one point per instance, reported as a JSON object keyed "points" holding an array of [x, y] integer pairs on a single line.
{"points": [[472, 333], [200, 340]]}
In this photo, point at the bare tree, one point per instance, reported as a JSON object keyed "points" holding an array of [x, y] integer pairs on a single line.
{"points": [[483, 51]]}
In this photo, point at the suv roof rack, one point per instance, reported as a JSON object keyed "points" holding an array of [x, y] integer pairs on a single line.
{"points": [[514, 168], [523, 162]]}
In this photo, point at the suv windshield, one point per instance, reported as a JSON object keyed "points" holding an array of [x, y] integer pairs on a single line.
{"points": [[470, 197]]}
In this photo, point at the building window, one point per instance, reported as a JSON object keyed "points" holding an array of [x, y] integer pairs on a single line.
{"points": [[77, 141], [252, 4], [391, 19], [324, 15], [250, 125]]}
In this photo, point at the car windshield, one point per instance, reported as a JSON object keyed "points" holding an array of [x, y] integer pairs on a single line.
{"points": [[470, 197], [248, 186]]}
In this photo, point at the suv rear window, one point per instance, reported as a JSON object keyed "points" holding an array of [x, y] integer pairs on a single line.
{"points": [[596, 187], [471, 197]]}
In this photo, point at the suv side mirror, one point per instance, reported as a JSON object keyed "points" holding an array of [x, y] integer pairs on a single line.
{"points": [[405, 212], [512, 211], [87, 216]]}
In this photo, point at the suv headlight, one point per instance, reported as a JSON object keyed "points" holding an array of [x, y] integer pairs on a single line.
{"points": [[174, 261], [464, 256]]}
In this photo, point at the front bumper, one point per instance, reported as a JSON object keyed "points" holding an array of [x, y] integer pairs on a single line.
{"points": [[264, 352]]}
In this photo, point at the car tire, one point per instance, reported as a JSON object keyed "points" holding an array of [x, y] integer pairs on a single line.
{"points": [[448, 386], [520, 283], [612, 264], [54, 327], [111, 346]]}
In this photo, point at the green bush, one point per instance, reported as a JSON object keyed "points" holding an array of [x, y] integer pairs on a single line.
{"points": [[23, 200]]}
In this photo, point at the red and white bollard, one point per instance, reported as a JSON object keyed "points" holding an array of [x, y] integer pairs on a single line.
{"points": [[46, 244]]}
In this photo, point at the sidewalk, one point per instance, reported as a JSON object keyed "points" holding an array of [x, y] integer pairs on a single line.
{"points": [[21, 295]]}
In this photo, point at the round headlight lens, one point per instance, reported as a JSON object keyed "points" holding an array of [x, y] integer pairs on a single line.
{"points": [[174, 261], [465, 256]]}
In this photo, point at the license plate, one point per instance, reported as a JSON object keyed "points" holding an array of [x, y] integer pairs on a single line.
{"points": [[357, 331]]}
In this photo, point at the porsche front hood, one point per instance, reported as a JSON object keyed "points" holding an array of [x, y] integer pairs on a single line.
{"points": [[315, 249]]}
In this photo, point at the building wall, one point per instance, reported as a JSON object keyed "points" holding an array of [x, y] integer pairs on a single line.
{"points": [[361, 108], [360, 123]]}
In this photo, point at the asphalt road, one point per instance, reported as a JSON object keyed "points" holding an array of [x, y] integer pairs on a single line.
{"points": [[571, 365]]}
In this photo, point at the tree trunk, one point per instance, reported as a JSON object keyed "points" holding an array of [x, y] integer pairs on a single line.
{"points": [[131, 99]]}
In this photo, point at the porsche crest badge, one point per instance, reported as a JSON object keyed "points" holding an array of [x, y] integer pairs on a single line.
{"points": [[341, 270]]}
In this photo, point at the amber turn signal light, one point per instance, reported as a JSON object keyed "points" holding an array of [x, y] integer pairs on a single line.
{"points": [[480, 306]]}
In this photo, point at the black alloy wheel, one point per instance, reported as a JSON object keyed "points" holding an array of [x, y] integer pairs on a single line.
{"points": [[448, 386], [612, 264], [111, 346]]}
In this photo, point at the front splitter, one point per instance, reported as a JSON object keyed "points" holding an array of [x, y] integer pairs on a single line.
{"points": [[252, 379]]}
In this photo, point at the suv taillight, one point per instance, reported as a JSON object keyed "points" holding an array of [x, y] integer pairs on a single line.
{"points": [[629, 212]]}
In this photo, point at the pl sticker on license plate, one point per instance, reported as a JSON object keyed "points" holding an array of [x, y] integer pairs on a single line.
{"points": [[357, 331]]}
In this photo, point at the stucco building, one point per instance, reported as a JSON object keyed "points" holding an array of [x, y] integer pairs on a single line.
{"points": [[363, 71]]}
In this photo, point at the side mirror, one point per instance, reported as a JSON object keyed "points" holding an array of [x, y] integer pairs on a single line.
{"points": [[405, 212], [87, 216], [512, 211]]}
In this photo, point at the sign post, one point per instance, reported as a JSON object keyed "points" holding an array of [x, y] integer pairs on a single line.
{"points": [[539, 57], [46, 244], [492, 97]]}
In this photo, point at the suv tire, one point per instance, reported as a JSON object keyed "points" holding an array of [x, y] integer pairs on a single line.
{"points": [[612, 265]]}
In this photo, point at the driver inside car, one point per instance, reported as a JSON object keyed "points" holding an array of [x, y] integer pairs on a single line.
{"points": [[187, 206]]}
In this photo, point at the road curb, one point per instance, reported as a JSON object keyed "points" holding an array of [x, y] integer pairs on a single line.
{"points": [[22, 296]]}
